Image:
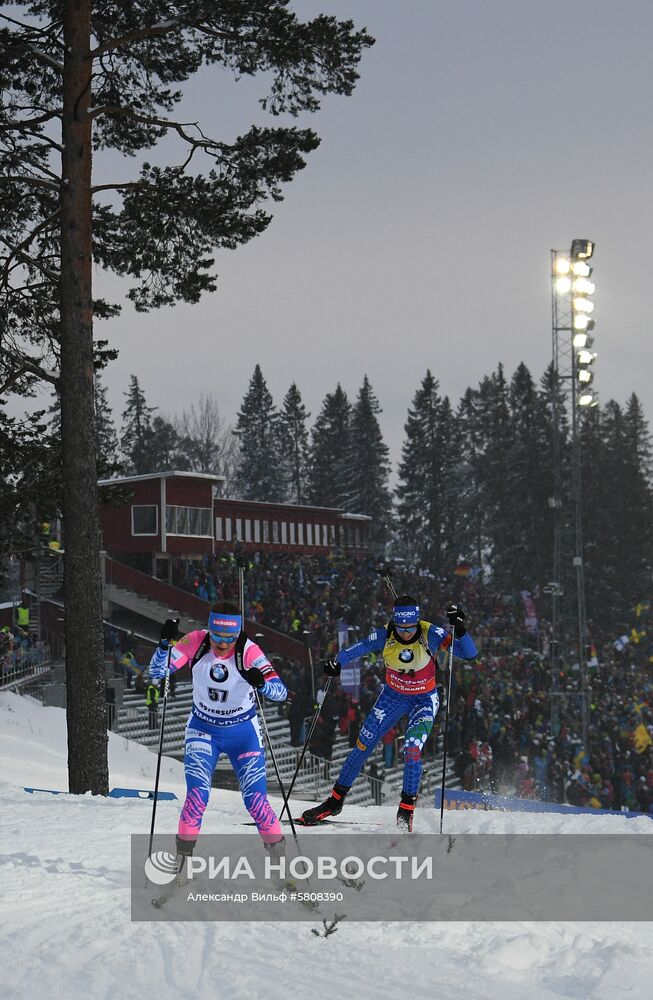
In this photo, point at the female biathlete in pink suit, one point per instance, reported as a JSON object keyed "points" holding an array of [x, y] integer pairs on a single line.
{"points": [[223, 718]]}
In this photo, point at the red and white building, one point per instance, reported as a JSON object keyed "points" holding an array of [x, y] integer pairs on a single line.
{"points": [[162, 515]]}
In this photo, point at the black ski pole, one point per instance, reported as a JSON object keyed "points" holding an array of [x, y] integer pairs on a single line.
{"points": [[276, 768], [305, 748], [166, 685], [241, 591], [446, 728], [386, 573]]}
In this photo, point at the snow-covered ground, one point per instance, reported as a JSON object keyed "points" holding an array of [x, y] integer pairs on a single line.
{"points": [[65, 928]]}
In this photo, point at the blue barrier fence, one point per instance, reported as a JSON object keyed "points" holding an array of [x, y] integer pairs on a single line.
{"points": [[116, 793], [455, 799]]}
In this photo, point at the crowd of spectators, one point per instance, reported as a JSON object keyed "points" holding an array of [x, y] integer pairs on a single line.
{"points": [[20, 654], [515, 723], [506, 739]]}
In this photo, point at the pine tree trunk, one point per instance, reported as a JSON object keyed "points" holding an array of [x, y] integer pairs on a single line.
{"points": [[87, 733]]}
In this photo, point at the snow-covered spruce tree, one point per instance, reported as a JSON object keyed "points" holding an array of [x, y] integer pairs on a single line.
{"points": [[293, 444], [80, 78], [259, 473], [370, 465], [330, 465]]}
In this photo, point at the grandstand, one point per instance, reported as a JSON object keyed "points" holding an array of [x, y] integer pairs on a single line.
{"points": [[317, 775]]}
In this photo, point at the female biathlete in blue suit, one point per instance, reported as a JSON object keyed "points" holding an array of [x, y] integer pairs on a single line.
{"points": [[409, 649]]}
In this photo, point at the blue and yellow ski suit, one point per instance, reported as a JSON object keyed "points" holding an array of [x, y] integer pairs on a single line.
{"points": [[409, 688]]}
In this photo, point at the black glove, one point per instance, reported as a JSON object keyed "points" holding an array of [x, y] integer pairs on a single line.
{"points": [[332, 668], [456, 617], [255, 677], [169, 630]]}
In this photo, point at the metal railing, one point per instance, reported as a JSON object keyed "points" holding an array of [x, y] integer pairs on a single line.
{"points": [[317, 774], [24, 665]]}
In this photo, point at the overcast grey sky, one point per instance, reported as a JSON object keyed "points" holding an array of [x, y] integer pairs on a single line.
{"points": [[481, 134]]}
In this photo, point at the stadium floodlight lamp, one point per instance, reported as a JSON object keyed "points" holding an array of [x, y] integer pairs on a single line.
{"points": [[587, 398], [563, 285], [580, 269], [581, 321], [581, 249], [582, 340], [561, 265], [582, 304], [586, 357], [583, 286], [585, 376]]}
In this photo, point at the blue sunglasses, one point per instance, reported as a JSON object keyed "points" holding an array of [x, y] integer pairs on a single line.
{"points": [[223, 640]]}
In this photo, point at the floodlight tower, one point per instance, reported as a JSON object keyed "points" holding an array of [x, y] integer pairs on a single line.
{"points": [[572, 324]]}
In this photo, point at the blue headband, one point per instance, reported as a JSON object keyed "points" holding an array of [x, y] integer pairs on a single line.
{"points": [[225, 622], [406, 614]]}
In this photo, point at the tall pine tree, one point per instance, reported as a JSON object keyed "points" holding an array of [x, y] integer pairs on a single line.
{"points": [[370, 467], [330, 482], [471, 511], [84, 82], [106, 439], [136, 429], [617, 512], [428, 461], [259, 472], [161, 450], [293, 444], [523, 558], [493, 469]]}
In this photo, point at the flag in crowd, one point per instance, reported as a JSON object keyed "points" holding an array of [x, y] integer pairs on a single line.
{"points": [[642, 739], [530, 620]]}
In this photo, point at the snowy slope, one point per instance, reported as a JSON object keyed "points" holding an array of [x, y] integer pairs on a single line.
{"points": [[34, 753], [65, 907]]}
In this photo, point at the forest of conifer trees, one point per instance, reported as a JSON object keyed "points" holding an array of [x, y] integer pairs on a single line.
{"points": [[473, 478]]}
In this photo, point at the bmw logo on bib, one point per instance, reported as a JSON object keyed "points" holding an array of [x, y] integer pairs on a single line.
{"points": [[406, 656], [218, 673]]}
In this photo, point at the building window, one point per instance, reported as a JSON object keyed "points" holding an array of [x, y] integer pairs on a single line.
{"points": [[266, 532], [191, 521], [248, 530], [275, 532], [332, 534], [219, 534], [284, 532], [257, 531], [227, 529], [145, 520], [300, 533], [292, 527], [325, 534], [309, 534]]}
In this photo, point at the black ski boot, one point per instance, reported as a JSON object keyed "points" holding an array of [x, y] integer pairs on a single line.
{"points": [[405, 812], [330, 807], [185, 850]]}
